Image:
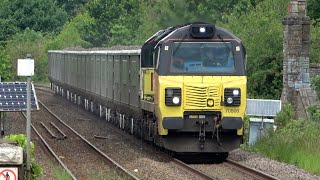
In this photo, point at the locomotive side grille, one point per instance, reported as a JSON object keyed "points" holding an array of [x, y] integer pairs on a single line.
{"points": [[196, 97]]}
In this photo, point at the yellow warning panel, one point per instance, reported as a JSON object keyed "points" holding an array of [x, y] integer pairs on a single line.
{"points": [[9, 173]]}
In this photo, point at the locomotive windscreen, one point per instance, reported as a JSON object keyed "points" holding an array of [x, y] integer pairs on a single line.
{"points": [[202, 57]]}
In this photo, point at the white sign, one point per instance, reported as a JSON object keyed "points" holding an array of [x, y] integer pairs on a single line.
{"points": [[25, 67], [9, 173]]}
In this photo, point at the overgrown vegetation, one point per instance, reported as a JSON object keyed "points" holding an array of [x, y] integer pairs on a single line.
{"points": [[261, 30], [315, 84], [314, 110], [61, 174], [297, 142], [21, 139], [294, 141], [71, 35], [5, 65], [29, 42]]}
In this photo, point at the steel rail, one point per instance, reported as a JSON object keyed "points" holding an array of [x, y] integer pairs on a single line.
{"points": [[43, 89], [48, 130], [116, 165], [256, 173], [64, 136], [51, 150], [191, 170], [252, 172]]}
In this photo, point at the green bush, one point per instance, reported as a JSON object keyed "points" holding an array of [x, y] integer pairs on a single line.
{"points": [[5, 65], [315, 41], [21, 139], [29, 42], [296, 143], [71, 35], [284, 116], [314, 113], [315, 84]]}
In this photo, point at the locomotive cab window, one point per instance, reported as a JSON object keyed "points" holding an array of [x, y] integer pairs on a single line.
{"points": [[202, 57]]}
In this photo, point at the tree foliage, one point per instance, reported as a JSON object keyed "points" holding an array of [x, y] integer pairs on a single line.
{"points": [[5, 65], [7, 29], [165, 13], [313, 9], [29, 42], [71, 6], [315, 43], [38, 15], [71, 35], [261, 31], [110, 16], [315, 84]]}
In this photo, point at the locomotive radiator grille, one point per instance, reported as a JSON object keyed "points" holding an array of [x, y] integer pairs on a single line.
{"points": [[196, 97]]}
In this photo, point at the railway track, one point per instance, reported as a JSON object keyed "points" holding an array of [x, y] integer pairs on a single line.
{"points": [[47, 146], [191, 170], [80, 158], [238, 170], [250, 171], [232, 166]]}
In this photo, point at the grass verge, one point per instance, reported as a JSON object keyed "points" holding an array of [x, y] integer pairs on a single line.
{"points": [[296, 143]]}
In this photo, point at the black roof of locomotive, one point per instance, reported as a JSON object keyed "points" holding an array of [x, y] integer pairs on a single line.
{"points": [[179, 33], [183, 31]]}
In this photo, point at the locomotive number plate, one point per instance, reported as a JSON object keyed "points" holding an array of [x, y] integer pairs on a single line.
{"points": [[232, 110]]}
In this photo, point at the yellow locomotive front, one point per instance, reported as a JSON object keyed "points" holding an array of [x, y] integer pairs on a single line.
{"points": [[199, 85]]}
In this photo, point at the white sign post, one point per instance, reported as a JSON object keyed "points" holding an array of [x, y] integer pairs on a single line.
{"points": [[26, 68]]}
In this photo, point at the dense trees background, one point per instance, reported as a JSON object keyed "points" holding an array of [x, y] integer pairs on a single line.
{"points": [[261, 31], [34, 26], [39, 15]]}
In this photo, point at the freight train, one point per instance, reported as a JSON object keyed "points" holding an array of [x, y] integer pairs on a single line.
{"points": [[183, 90]]}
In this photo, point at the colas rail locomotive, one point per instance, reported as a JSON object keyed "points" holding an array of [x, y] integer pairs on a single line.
{"points": [[184, 90]]}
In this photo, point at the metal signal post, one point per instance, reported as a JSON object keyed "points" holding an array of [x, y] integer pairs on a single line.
{"points": [[28, 126], [26, 68]]}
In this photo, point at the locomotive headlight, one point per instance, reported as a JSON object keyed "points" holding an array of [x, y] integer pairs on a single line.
{"points": [[236, 92], [169, 92], [232, 96], [229, 100], [176, 100], [172, 96], [202, 29]]}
